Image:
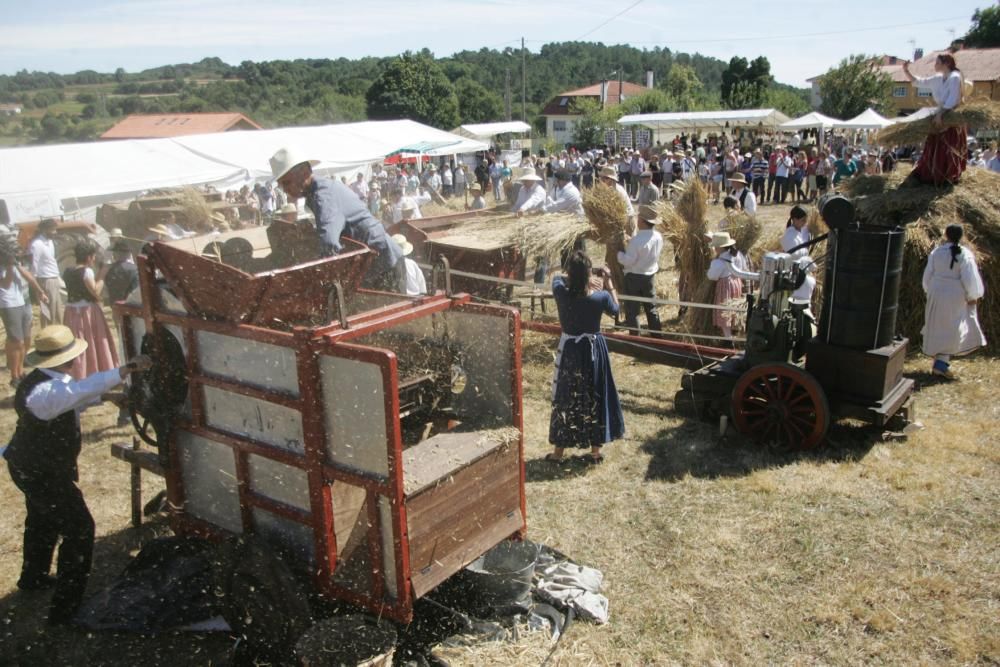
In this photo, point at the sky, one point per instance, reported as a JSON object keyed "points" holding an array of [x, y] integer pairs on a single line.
{"points": [[800, 38]]}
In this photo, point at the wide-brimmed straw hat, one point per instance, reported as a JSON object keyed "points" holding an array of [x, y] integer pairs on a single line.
{"points": [[609, 172], [475, 187], [738, 177], [116, 233], [530, 175], [218, 217], [287, 208], [54, 346], [162, 231], [648, 213], [408, 205], [721, 240], [287, 159], [403, 244]]}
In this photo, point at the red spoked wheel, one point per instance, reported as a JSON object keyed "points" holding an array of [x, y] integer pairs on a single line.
{"points": [[781, 406]]}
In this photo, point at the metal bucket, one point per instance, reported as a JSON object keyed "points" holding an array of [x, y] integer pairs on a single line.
{"points": [[502, 576]]}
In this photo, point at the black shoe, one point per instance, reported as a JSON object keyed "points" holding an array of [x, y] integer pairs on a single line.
{"points": [[42, 583]]}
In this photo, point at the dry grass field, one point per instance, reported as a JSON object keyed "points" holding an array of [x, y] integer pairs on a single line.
{"points": [[864, 552]]}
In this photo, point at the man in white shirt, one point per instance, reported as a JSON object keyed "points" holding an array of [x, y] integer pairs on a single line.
{"points": [[360, 188], [416, 284], [641, 263], [433, 181], [399, 201], [782, 169], [41, 459], [747, 200], [531, 196], [45, 268], [565, 197]]}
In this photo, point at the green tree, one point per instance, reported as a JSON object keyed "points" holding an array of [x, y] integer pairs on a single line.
{"points": [[589, 128], [475, 103], [683, 86], [790, 101], [121, 75], [985, 30], [853, 86], [52, 127], [744, 84], [413, 86]]}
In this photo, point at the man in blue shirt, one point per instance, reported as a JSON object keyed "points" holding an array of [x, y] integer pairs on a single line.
{"points": [[339, 212]]}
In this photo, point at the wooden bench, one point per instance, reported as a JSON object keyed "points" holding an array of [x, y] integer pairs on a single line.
{"points": [[140, 459]]}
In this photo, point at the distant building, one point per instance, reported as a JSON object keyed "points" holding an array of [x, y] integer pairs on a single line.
{"points": [[10, 109], [560, 121], [156, 126], [980, 67]]}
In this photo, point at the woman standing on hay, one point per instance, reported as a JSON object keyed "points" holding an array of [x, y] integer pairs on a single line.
{"points": [[943, 158], [585, 408], [728, 279], [953, 286]]}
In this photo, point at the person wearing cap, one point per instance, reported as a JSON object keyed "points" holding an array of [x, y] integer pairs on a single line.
{"points": [[400, 201], [45, 268], [636, 167], [478, 200], [640, 261], [648, 193], [121, 277], [338, 212], [416, 284], [531, 195], [728, 281], [433, 181], [41, 459], [742, 194]]}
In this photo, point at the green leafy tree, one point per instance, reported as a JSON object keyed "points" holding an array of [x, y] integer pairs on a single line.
{"points": [[985, 30], [792, 102], [120, 75], [52, 127], [589, 128], [476, 104], [684, 87], [853, 86], [413, 86], [744, 84]]}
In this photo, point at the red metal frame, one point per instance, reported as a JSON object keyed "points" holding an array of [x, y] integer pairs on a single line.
{"points": [[308, 345]]}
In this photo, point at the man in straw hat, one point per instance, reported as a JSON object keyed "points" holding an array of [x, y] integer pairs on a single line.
{"points": [[531, 196], [45, 268], [566, 197], [640, 261], [610, 178], [416, 284], [41, 458], [478, 201], [339, 212], [648, 193], [742, 194]]}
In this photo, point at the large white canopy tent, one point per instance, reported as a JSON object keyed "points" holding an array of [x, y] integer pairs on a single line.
{"points": [[682, 121], [812, 120], [80, 177], [869, 119], [486, 131]]}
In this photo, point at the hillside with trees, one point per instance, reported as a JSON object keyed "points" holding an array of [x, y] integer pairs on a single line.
{"points": [[469, 86]]}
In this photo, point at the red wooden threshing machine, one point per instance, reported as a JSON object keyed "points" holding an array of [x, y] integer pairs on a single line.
{"points": [[376, 438]]}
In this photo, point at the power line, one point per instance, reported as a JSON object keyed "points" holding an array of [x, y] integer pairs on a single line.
{"points": [[801, 34], [624, 11]]}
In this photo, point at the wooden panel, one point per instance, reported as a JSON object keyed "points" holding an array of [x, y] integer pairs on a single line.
{"points": [[859, 375], [454, 522], [446, 453]]}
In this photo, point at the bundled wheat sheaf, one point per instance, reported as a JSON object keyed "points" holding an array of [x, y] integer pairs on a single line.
{"points": [[925, 211], [195, 211], [684, 225], [975, 114]]}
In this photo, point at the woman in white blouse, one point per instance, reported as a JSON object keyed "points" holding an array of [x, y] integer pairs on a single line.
{"points": [[945, 150]]}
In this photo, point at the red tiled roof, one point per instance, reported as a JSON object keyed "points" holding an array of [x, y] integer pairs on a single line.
{"points": [[151, 126], [556, 107], [976, 64]]}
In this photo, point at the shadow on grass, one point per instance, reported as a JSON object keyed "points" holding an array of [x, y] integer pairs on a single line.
{"points": [[694, 448], [540, 470], [26, 640], [925, 379]]}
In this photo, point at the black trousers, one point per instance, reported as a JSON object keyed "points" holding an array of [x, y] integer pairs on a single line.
{"points": [[637, 284], [759, 187], [770, 186], [780, 188], [56, 509]]}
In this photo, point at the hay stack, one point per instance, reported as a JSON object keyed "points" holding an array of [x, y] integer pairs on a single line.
{"points": [[195, 210], [745, 230], [926, 211], [976, 114], [684, 226], [608, 220]]}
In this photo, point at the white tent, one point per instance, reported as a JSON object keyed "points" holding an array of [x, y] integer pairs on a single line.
{"points": [[811, 120], [707, 120], [869, 119], [486, 131], [82, 176]]}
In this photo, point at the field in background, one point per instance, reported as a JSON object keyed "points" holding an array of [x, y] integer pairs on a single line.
{"points": [[864, 552]]}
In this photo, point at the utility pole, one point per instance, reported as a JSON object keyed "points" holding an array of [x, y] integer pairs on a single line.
{"points": [[506, 97], [524, 83]]}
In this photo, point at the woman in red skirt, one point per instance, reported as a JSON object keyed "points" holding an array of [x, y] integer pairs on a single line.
{"points": [[728, 281], [945, 150], [84, 315]]}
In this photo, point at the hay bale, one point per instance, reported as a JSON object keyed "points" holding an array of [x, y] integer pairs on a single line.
{"points": [[699, 320], [608, 218], [925, 211], [196, 212], [745, 230], [684, 225], [976, 114]]}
